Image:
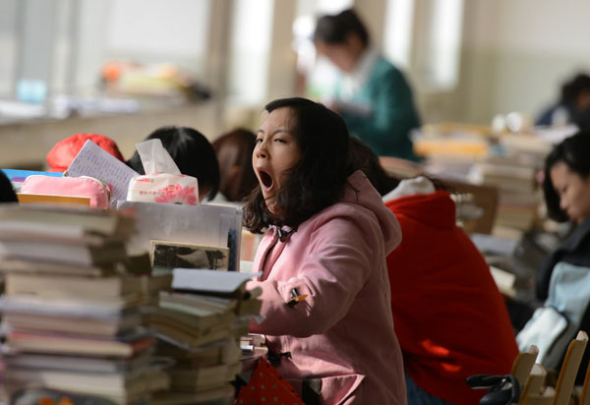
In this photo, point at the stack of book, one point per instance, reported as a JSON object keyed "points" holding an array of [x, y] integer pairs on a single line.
{"points": [[199, 325], [71, 314], [519, 195]]}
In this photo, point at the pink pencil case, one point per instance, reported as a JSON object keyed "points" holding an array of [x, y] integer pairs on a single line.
{"points": [[98, 191]]}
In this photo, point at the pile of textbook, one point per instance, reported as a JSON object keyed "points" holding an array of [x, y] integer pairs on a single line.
{"points": [[71, 312], [199, 326]]}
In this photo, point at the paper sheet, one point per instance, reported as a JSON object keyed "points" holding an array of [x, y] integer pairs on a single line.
{"points": [[209, 280], [95, 162]]}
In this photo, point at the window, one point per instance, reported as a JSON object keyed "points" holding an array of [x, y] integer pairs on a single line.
{"points": [[397, 41], [441, 50], [250, 51], [63, 43]]}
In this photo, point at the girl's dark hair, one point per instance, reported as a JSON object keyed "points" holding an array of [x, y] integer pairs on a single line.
{"points": [[572, 89], [235, 149], [572, 151], [192, 153], [363, 158], [333, 29], [7, 194], [318, 179]]}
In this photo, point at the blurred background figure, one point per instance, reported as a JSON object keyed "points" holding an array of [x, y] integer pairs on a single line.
{"points": [[234, 154], [63, 152], [573, 107], [192, 153], [371, 94]]}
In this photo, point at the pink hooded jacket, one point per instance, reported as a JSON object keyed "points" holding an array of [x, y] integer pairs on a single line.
{"points": [[342, 332]]}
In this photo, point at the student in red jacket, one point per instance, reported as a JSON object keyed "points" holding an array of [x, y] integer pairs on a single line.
{"points": [[449, 317]]}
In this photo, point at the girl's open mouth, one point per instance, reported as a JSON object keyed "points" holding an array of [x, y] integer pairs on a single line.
{"points": [[265, 178]]}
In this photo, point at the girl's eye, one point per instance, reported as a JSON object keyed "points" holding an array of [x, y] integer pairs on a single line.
{"points": [[259, 140], [562, 191], [280, 140]]}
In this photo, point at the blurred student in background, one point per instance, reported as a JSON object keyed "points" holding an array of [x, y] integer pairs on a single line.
{"points": [[234, 154], [573, 106], [7, 194], [372, 95], [63, 152], [449, 317], [563, 279], [192, 153]]}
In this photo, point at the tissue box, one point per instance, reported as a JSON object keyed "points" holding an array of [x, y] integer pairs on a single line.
{"points": [[164, 188]]}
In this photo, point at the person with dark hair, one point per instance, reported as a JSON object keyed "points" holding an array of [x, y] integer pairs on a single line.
{"points": [[234, 154], [325, 293], [7, 194], [561, 280], [573, 106], [445, 343], [373, 96], [192, 153], [567, 179]]}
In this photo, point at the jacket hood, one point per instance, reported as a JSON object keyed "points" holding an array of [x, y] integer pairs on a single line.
{"points": [[434, 209], [360, 191]]}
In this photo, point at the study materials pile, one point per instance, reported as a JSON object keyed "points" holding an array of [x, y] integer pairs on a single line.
{"points": [[70, 311], [519, 195], [199, 326]]}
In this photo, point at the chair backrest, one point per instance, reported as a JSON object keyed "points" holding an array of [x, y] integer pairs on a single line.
{"points": [[484, 197], [569, 369], [567, 376], [523, 364], [534, 384], [585, 395]]}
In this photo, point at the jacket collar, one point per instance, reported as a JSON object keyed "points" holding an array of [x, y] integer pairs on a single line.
{"points": [[574, 241], [354, 81]]}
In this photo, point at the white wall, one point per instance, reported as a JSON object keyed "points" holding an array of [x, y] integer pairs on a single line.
{"points": [[541, 43], [518, 52]]}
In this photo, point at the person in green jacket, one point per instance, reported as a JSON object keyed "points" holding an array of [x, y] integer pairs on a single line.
{"points": [[372, 95]]}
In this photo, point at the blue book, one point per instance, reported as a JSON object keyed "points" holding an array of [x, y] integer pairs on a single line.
{"points": [[18, 176]]}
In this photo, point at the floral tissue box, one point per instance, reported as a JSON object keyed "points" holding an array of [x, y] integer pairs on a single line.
{"points": [[164, 188]]}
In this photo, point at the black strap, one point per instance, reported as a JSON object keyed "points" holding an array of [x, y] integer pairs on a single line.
{"points": [[284, 234], [274, 358]]}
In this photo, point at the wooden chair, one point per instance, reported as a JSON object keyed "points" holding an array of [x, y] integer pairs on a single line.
{"points": [[484, 197], [521, 367], [567, 376], [523, 364], [534, 384], [585, 395]]}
